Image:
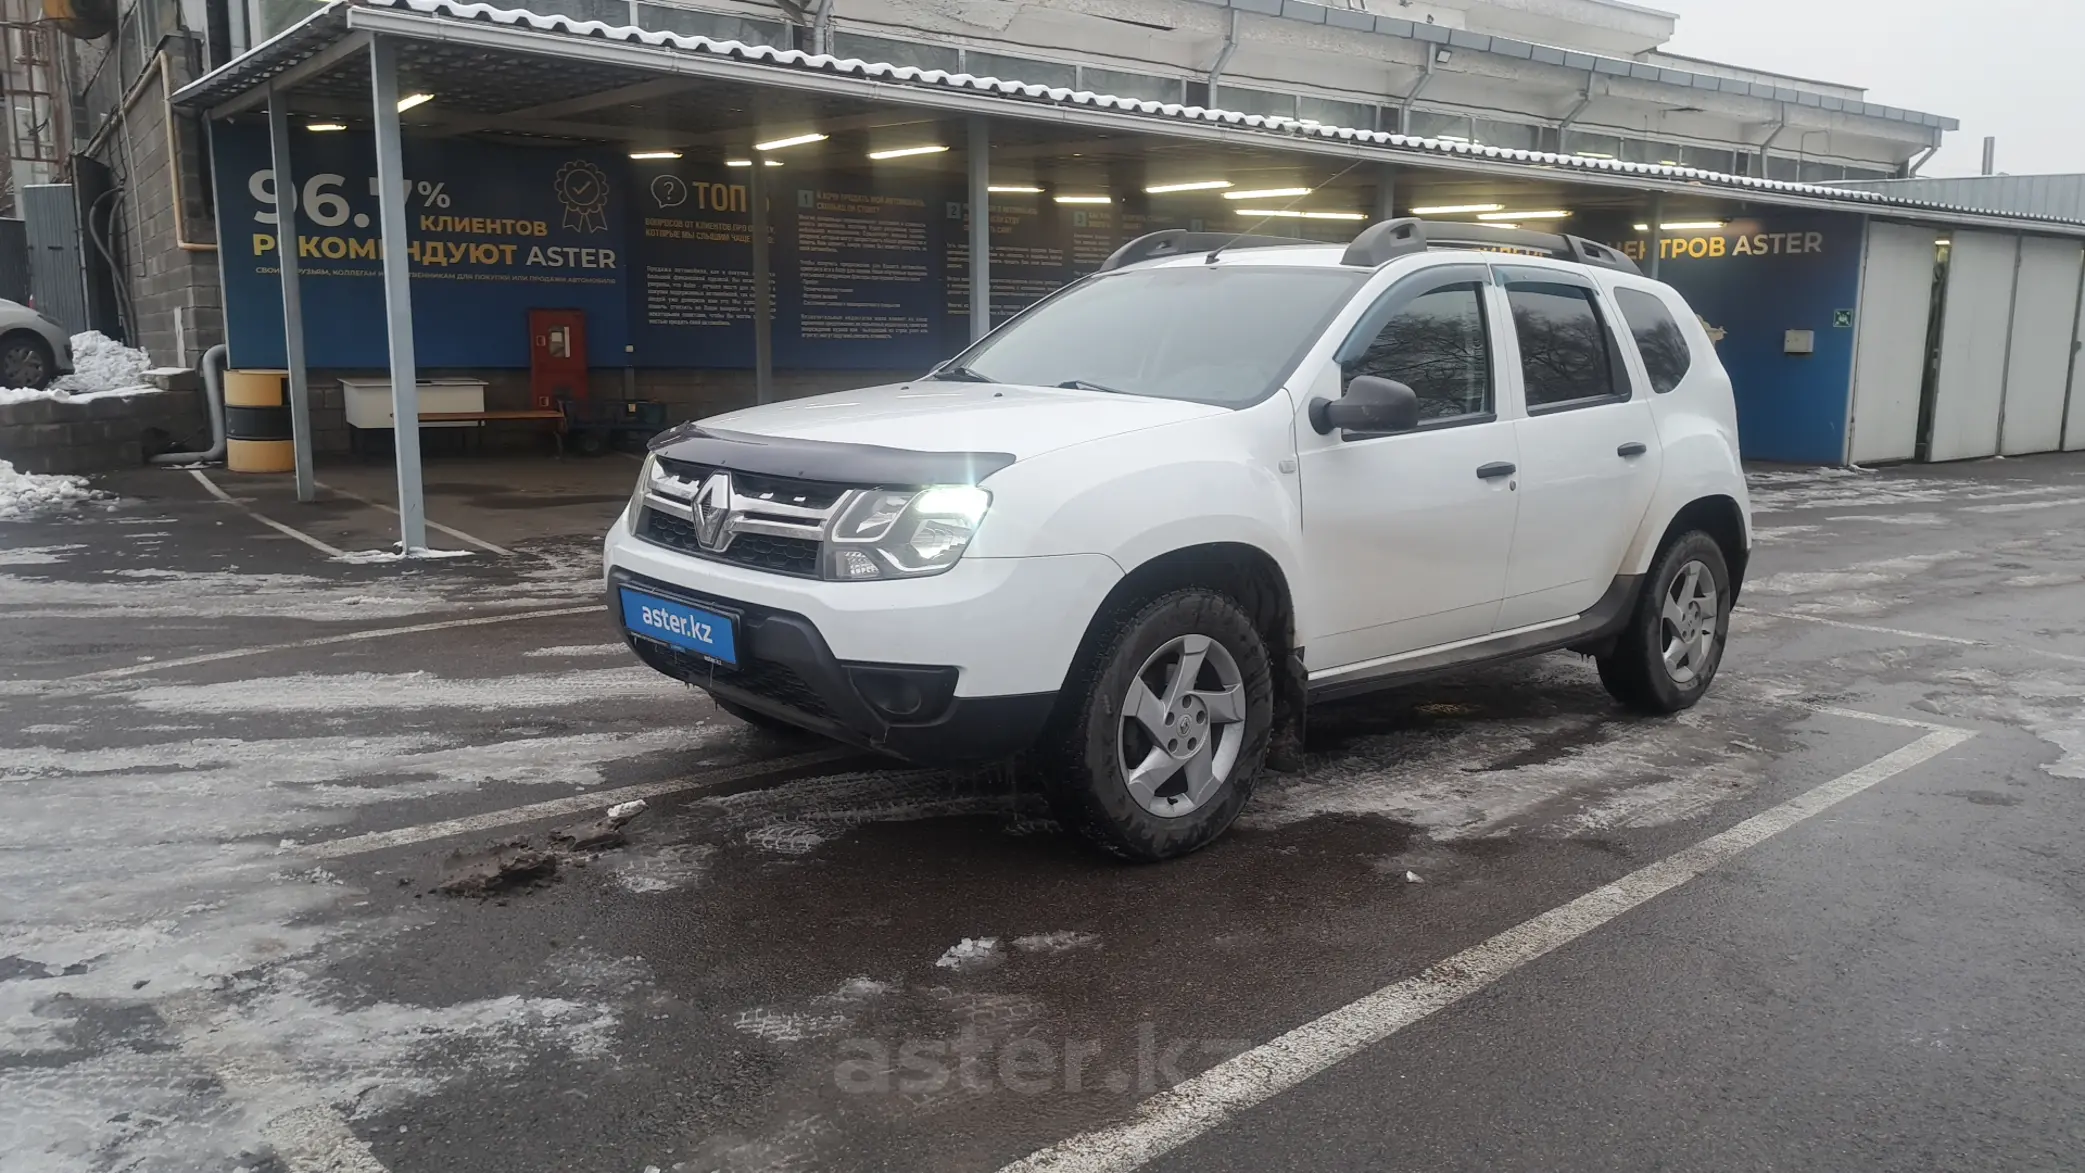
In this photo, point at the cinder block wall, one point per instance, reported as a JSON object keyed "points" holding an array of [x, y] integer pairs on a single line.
{"points": [[100, 435], [175, 291]]}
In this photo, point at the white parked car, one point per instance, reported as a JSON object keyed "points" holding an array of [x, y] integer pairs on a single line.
{"points": [[1139, 528]]}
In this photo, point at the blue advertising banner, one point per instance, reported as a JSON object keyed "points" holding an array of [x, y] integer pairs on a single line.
{"points": [[691, 292], [860, 259], [494, 232], [1754, 280]]}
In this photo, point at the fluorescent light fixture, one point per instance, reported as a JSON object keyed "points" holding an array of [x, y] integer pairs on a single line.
{"points": [[1593, 154], [1684, 225], [1013, 189], [749, 162], [655, 154], [903, 152], [1453, 138], [1457, 209], [1555, 214], [1198, 185], [1505, 226], [411, 100], [1079, 199], [792, 141], [324, 126], [1267, 193], [1298, 214]]}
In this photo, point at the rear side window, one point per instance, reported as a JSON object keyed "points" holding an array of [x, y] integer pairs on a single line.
{"points": [[1567, 356], [1658, 338]]}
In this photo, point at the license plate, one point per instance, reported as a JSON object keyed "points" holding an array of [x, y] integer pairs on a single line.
{"points": [[680, 625]]}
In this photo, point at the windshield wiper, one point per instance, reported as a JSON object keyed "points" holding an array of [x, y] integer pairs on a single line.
{"points": [[1084, 385], [962, 375]]}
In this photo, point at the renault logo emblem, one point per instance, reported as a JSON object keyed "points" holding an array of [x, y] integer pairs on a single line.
{"points": [[713, 511]]}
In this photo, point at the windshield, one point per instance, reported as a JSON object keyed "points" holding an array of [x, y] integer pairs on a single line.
{"points": [[1217, 334]]}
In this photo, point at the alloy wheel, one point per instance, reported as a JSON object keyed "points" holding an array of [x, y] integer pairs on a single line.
{"points": [[1687, 623], [1182, 726]]}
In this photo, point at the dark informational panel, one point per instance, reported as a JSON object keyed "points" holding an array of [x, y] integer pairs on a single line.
{"points": [[494, 232], [1752, 282]]}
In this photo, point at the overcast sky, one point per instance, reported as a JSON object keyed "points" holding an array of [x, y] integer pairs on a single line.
{"points": [[2010, 68]]}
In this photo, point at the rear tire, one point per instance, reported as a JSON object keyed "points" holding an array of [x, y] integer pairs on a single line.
{"points": [[1666, 658], [26, 361], [1164, 729]]}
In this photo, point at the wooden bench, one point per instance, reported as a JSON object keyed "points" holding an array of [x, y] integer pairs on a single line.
{"points": [[545, 415]]}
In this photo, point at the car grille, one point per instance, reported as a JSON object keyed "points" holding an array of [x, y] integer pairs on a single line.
{"points": [[795, 556], [782, 490], [763, 678]]}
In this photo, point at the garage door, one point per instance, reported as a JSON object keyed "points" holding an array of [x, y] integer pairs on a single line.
{"points": [[2045, 312], [1975, 329], [1889, 358]]}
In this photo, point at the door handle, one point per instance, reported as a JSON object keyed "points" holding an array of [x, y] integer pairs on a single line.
{"points": [[1495, 470], [1632, 448]]}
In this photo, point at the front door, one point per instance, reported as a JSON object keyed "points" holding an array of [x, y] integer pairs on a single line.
{"points": [[1589, 452], [1406, 536]]}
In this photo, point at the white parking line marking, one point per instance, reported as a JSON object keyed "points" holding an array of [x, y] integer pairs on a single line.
{"points": [[324, 640], [271, 523], [458, 534], [1869, 627], [1926, 635], [577, 804], [1174, 1117]]}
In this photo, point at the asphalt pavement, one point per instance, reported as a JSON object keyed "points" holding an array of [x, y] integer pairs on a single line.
{"points": [[1827, 920]]}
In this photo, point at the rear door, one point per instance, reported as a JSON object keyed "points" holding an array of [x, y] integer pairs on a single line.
{"points": [[1589, 454], [1406, 535]]}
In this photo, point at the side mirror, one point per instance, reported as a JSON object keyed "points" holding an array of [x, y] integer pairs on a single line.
{"points": [[1370, 404]]}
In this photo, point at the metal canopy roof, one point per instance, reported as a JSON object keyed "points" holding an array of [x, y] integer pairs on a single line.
{"points": [[1346, 18], [509, 72]]}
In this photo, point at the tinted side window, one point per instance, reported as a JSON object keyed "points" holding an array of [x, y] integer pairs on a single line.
{"points": [[1658, 338], [1435, 345], [1566, 355]]}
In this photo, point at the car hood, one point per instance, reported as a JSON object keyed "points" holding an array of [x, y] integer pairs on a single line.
{"points": [[934, 416]]}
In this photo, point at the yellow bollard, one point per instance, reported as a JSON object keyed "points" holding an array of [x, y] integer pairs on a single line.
{"points": [[257, 422]]}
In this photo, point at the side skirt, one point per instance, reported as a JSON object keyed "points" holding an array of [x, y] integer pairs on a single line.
{"points": [[1591, 632]]}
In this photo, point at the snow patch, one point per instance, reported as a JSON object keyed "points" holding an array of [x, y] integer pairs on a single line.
{"points": [[367, 557], [360, 692], [101, 368], [26, 493], [1060, 941], [970, 953], [662, 869]]}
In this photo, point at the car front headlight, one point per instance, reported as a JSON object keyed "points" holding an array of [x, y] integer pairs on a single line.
{"points": [[904, 533], [644, 479]]}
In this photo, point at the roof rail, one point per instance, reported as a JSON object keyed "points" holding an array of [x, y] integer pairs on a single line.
{"points": [[1381, 243], [1179, 242]]}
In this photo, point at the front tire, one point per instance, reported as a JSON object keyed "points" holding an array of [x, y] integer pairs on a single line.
{"points": [[1664, 661], [1166, 728]]}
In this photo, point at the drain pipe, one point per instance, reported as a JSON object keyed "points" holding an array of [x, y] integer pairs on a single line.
{"points": [[215, 360], [1230, 46]]}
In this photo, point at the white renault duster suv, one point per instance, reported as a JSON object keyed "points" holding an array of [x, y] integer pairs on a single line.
{"points": [[1141, 526]]}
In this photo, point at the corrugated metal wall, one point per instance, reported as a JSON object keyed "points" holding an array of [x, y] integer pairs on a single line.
{"points": [[55, 276], [2031, 195]]}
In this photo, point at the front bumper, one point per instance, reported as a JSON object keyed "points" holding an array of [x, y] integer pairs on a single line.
{"points": [[957, 668], [788, 671]]}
